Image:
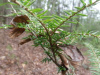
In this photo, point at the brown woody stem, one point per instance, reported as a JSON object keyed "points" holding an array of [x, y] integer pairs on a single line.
{"points": [[50, 40]]}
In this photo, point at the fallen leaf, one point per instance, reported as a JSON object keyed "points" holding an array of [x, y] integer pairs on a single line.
{"points": [[2, 57], [23, 65]]}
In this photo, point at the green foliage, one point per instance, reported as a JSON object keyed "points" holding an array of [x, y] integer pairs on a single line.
{"points": [[2, 4], [46, 32], [82, 14], [46, 60], [9, 47], [78, 8], [94, 58], [93, 27], [90, 1], [61, 69], [36, 10], [5, 26], [39, 15], [27, 3], [67, 12], [83, 2]]}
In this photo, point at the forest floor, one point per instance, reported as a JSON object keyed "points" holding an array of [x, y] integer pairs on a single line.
{"points": [[26, 59]]}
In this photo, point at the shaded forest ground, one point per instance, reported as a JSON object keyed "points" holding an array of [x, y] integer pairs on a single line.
{"points": [[26, 59]]}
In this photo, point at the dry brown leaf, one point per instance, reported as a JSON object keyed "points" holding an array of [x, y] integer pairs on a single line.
{"points": [[24, 41], [64, 61], [15, 32], [20, 19], [74, 53]]}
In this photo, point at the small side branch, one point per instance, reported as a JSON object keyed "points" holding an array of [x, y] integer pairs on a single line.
{"points": [[51, 58], [12, 8], [32, 15], [88, 35], [73, 15]]}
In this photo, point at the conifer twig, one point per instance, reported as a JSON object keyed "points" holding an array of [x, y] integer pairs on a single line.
{"points": [[88, 35], [73, 15], [32, 15], [50, 39]]}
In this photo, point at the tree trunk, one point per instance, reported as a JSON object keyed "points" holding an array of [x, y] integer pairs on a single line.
{"points": [[4, 20], [4, 11]]}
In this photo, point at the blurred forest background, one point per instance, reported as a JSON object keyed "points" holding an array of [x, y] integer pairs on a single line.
{"points": [[26, 59]]}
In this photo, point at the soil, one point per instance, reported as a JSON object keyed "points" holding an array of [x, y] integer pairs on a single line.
{"points": [[26, 59]]}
